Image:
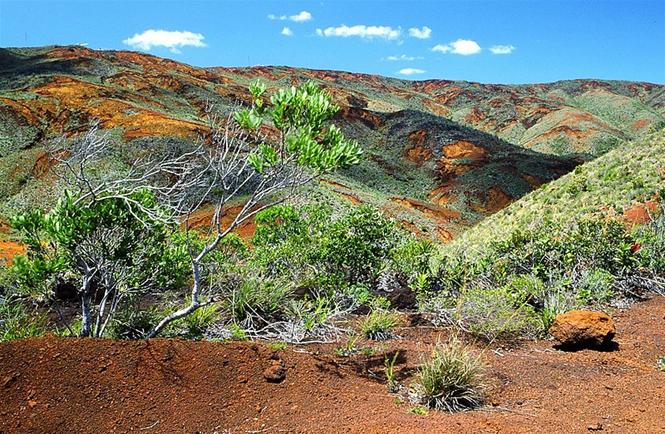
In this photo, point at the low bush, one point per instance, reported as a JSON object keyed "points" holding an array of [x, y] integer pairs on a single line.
{"points": [[493, 314], [17, 321], [132, 323], [379, 323], [452, 379]]}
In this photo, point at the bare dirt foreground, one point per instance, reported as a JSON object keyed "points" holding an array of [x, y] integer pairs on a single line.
{"points": [[58, 385]]}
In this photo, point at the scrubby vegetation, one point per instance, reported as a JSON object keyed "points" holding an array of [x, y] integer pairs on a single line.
{"points": [[129, 258], [565, 246]]}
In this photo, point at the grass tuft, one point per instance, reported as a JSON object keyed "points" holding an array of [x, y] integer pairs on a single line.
{"points": [[452, 379]]}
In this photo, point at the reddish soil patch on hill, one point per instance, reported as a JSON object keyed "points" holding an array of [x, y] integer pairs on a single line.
{"points": [[76, 385], [459, 158], [8, 250], [431, 210], [491, 201], [201, 219], [417, 152], [640, 213]]}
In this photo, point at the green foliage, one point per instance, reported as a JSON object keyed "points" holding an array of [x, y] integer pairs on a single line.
{"points": [[419, 410], [379, 323], [300, 114], [132, 323], [349, 348], [195, 325], [495, 313], [277, 346], [595, 286], [650, 242], [452, 379], [53, 240], [358, 244], [389, 369], [18, 322], [660, 364], [255, 295]]}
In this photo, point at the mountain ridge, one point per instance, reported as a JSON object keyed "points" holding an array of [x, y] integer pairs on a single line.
{"points": [[442, 154]]}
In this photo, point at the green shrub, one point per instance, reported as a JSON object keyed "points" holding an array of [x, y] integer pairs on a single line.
{"points": [[556, 302], [492, 314], [194, 326], [379, 323], [17, 321], [452, 379], [256, 295], [595, 286], [358, 244], [132, 323], [660, 364]]}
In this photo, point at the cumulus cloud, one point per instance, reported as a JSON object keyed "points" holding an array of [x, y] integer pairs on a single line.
{"points": [[300, 17], [173, 40], [465, 47], [423, 33], [402, 58], [502, 49], [287, 32], [361, 31], [411, 71]]}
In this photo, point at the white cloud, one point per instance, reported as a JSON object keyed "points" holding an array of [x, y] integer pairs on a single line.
{"points": [[465, 47], [361, 31], [287, 32], [502, 49], [423, 33], [402, 57], [411, 71], [300, 17], [164, 38]]}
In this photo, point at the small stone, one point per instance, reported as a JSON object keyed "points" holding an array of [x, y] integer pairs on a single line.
{"points": [[276, 372], [242, 379], [579, 329], [595, 427]]}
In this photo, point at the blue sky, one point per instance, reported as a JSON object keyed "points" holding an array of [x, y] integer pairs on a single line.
{"points": [[534, 41]]}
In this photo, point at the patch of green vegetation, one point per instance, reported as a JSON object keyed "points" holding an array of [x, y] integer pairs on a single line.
{"points": [[378, 324], [419, 410], [18, 321], [660, 364], [604, 186]]}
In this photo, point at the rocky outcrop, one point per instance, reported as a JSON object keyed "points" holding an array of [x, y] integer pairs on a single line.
{"points": [[579, 329]]}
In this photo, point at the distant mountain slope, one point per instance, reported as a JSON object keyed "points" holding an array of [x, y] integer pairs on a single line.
{"points": [[573, 116], [428, 164], [625, 183]]}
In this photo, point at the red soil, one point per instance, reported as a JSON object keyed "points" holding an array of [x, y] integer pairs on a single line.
{"points": [[51, 384], [417, 152], [9, 249], [201, 219], [640, 213]]}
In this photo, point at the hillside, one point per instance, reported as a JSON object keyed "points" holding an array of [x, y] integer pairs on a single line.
{"points": [[622, 183], [441, 155]]}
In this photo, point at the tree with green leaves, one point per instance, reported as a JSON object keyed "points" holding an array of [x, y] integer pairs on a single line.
{"points": [[262, 156], [109, 231], [100, 246]]}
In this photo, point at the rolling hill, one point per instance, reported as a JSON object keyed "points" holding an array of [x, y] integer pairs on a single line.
{"points": [[441, 155]]}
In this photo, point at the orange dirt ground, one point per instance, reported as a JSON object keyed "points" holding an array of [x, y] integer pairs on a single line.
{"points": [[54, 385]]}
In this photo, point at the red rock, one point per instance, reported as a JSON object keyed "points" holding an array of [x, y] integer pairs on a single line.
{"points": [[579, 329], [276, 372]]}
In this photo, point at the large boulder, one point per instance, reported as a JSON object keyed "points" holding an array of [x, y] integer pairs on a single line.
{"points": [[579, 329]]}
